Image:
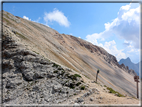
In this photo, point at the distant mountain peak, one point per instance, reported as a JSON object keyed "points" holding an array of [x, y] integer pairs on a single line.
{"points": [[128, 59], [130, 64]]}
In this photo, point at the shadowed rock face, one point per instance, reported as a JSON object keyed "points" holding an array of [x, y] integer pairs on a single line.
{"points": [[66, 50]]}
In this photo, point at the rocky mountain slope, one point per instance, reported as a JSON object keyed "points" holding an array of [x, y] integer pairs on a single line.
{"points": [[26, 50], [130, 64], [30, 78]]}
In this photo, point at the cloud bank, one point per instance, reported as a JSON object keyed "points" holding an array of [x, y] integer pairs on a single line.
{"points": [[125, 26], [56, 16]]}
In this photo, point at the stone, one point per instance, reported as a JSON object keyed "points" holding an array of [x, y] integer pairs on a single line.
{"points": [[91, 99], [57, 87], [79, 100], [10, 84], [86, 94]]}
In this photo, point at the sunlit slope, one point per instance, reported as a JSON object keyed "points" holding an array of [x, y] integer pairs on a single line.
{"points": [[72, 52]]}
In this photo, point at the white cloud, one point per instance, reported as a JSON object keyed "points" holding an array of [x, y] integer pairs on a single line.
{"points": [[25, 17], [112, 49], [56, 16], [125, 7], [128, 27], [125, 26]]}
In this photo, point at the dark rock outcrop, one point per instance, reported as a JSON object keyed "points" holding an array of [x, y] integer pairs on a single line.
{"points": [[126, 68], [29, 78]]}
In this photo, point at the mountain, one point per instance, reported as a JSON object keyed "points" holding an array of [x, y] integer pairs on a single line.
{"points": [[38, 63], [130, 64]]}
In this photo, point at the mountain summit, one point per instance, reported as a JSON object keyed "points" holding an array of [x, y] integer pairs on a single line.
{"points": [[130, 64]]}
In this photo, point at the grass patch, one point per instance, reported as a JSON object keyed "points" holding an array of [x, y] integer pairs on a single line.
{"points": [[86, 76], [36, 52], [76, 75], [114, 92]]}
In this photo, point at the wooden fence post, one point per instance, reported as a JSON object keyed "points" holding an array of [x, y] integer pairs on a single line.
{"points": [[136, 78]]}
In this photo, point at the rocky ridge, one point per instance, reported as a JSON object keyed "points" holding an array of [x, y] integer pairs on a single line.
{"points": [[130, 64], [104, 54], [29, 78], [126, 68]]}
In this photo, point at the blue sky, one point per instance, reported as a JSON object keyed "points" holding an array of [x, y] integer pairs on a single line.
{"points": [[113, 26]]}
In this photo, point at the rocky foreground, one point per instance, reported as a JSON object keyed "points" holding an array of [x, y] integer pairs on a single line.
{"points": [[29, 78]]}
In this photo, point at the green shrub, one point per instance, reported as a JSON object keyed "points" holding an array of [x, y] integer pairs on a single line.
{"points": [[105, 86], [76, 75], [72, 86], [56, 71], [60, 69], [120, 95], [78, 83], [111, 90], [55, 65], [82, 87]]}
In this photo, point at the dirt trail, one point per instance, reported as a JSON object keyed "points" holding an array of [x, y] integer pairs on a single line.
{"points": [[102, 96]]}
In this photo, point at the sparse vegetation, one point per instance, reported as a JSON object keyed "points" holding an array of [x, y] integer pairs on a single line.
{"points": [[86, 76], [21, 35], [76, 75], [56, 65], [72, 86], [115, 92], [105, 86], [60, 68], [82, 87], [78, 83], [56, 71], [36, 52]]}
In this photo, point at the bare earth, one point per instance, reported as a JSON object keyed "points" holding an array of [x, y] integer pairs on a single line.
{"points": [[102, 97]]}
